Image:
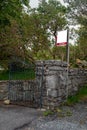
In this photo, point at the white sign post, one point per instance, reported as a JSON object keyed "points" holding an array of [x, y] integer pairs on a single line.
{"points": [[62, 39]]}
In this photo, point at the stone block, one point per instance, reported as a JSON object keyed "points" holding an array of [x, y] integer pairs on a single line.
{"points": [[51, 81], [52, 93]]}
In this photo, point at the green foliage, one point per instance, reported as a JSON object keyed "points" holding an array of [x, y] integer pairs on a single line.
{"points": [[82, 42], [11, 39], [63, 113], [80, 96], [77, 15], [40, 25], [59, 52], [11, 43], [17, 75], [48, 112], [77, 11], [31, 35], [4, 75], [52, 14], [68, 113], [11, 9]]}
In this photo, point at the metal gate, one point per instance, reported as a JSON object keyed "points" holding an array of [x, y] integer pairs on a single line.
{"points": [[27, 92]]}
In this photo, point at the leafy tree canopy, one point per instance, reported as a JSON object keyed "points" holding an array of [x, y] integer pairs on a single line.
{"points": [[78, 11], [11, 9], [78, 15]]}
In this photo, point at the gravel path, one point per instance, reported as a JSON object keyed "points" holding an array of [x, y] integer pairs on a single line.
{"points": [[71, 118]]}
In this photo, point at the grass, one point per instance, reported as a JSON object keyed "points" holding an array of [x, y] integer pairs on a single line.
{"points": [[80, 96], [48, 112], [59, 112], [18, 75], [4, 75]]}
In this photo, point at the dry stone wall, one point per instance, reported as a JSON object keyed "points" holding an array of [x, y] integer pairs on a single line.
{"points": [[3, 90], [78, 78], [25, 92], [51, 85], [56, 87]]}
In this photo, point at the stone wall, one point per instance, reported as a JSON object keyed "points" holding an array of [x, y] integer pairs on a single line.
{"points": [[50, 88], [55, 86], [52, 72], [21, 91], [77, 79], [3, 90]]}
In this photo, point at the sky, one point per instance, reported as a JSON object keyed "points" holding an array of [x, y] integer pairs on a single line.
{"points": [[34, 3]]}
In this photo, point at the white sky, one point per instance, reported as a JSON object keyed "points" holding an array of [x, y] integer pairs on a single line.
{"points": [[34, 3]]}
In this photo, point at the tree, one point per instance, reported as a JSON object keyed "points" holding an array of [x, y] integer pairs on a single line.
{"points": [[11, 41], [30, 35], [11, 9], [82, 42], [52, 14], [77, 11], [78, 16], [47, 19]]}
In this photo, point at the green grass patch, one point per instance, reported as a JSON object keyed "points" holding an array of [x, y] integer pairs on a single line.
{"points": [[80, 96], [4, 75], [48, 112], [18, 75]]}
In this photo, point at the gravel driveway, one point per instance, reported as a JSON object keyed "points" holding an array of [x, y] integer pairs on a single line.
{"points": [[76, 121]]}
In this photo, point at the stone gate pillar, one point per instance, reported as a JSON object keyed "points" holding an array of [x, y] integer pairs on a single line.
{"points": [[52, 75]]}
